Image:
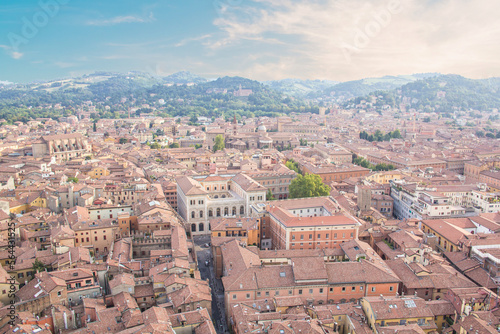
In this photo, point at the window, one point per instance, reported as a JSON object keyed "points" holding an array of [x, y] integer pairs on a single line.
{"points": [[391, 288], [234, 296], [248, 296], [87, 239], [300, 291], [258, 293], [290, 292], [320, 290], [95, 238], [311, 291], [277, 293], [267, 293], [192, 214], [343, 289], [59, 293], [353, 288], [104, 237], [201, 214], [331, 289], [301, 237], [327, 235], [373, 289], [310, 236]]}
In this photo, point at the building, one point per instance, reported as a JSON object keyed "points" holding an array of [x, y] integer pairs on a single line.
{"points": [[316, 280], [245, 229], [385, 311], [329, 173], [200, 198], [309, 223], [62, 147]]}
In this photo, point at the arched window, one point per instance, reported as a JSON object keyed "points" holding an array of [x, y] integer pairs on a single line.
{"points": [[192, 214], [234, 211], [226, 211], [201, 227], [193, 227], [210, 213], [242, 210], [218, 212], [201, 214]]}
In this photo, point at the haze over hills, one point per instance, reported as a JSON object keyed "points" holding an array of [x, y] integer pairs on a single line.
{"points": [[184, 93]]}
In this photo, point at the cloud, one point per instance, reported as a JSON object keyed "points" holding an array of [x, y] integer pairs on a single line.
{"points": [[121, 19], [351, 39], [12, 52], [194, 39]]}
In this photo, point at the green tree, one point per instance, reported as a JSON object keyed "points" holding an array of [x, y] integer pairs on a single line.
{"points": [[123, 140], [155, 146], [292, 165], [73, 179], [309, 185], [219, 143], [88, 157], [38, 266], [174, 145], [94, 127], [269, 195], [197, 146]]}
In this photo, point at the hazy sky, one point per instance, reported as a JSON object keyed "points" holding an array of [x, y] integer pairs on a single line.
{"points": [[260, 39]]}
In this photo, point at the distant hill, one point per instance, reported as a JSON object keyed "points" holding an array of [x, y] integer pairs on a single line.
{"points": [[114, 93], [363, 87], [443, 93], [184, 77], [298, 87]]}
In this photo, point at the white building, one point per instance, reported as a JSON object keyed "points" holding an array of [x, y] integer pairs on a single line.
{"points": [[200, 198]]}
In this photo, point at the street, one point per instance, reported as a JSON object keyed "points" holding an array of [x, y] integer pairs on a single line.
{"points": [[204, 255]]}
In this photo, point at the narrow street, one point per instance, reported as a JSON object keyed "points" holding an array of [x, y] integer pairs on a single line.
{"points": [[204, 256]]}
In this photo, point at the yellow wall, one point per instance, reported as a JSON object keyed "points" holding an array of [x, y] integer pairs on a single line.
{"points": [[19, 209], [39, 202], [98, 172]]}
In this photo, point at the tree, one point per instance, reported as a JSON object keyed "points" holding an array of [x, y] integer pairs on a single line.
{"points": [[73, 179], [269, 195], [155, 146], [309, 185], [174, 145], [219, 143], [38, 266], [123, 140], [480, 134], [427, 120], [490, 135], [292, 165], [88, 157], [197, 146], [94, 127]]}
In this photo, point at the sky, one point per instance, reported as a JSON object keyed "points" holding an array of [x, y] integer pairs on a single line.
{"points": [[337, 40]]}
